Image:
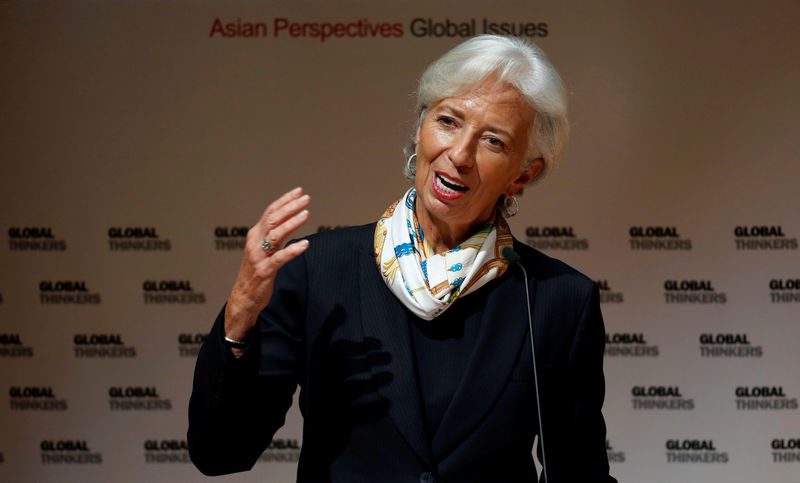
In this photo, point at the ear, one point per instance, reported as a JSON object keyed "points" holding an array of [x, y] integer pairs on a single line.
{"points": [[416, 137], [525, 177]]}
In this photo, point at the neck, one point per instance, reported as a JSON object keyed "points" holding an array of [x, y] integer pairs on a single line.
{"points": [[441, 236]]}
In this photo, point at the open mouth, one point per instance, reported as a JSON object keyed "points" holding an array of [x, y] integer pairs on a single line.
{"points": [[447, 188], [448, 185]]}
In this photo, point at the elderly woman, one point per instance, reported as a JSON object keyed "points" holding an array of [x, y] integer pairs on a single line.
{"points": [[409, 337]]}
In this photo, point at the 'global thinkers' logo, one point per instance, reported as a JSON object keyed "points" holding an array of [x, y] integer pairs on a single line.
{"points": [[763, 237], [136, 238], [137, 398], [555, 238], [784, 291], [692, 292], [785, 450], [73, 452], [69, 292], [35, 398], [660, 398], [40, 238], [607, 294], [102, 346], [728, 345], [171, 292], [629, 344], [166, 451], [189, 344], [763, 398], [11, 345], [657, 238], [694, 451], [230, 237], [281, 451]]}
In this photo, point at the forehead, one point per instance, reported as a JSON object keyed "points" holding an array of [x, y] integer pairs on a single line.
{"points": [[492, 102]]}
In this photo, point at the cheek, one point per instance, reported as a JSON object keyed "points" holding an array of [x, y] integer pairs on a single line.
{"points": [[423, 170], [496, 179], [431, 142], [426, 154], [422, 165]]}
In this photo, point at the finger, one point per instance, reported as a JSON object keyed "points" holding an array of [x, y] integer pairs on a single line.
{"points": [[278, 235], [276, 205], [279, 210], [284, 213], [270, 265]]}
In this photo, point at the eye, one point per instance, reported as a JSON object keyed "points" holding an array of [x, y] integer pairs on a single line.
{"points": [[496, 142], [446, 120]]}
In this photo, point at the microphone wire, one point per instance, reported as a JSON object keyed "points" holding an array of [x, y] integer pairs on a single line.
{"points": [[513, 257]]}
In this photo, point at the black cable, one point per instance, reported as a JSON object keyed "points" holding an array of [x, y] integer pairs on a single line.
{"points": [[512, 257]]}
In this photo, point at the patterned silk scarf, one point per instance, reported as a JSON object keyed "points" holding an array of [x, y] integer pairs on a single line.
{"points": [[428, 283]]}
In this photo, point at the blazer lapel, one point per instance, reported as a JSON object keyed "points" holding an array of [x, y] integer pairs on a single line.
{"points": [[384, 318], [503, 331]]}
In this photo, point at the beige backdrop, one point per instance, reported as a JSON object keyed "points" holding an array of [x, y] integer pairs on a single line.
{"points": [[121, 115]]}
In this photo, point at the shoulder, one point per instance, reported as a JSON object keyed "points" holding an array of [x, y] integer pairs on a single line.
{"points": [[331, 256], [551, 271], [563, 297], [340, 248], [352, 237]]}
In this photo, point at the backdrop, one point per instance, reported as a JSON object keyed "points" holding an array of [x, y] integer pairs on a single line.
{"points": [[140, 139]]}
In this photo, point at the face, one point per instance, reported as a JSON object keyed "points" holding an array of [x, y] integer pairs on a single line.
{"points": [[470, 151]]}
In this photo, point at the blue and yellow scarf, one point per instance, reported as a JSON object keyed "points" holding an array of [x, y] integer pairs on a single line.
{"points": [[428, 283]]}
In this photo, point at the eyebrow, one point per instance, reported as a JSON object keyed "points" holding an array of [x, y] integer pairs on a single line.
{"points": [[458, 112]]}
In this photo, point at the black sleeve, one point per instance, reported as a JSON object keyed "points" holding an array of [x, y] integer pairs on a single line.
{"points": [[588, 391], [237, 405]]}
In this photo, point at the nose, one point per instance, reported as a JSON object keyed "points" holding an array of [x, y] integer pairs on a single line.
{"points": [[462, 151]]}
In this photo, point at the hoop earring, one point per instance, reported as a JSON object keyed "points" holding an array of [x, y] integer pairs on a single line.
{"points": [[508, 202], [411, 165]]}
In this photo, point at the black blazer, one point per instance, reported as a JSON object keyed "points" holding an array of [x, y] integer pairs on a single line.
{"points": [[333, 328]]}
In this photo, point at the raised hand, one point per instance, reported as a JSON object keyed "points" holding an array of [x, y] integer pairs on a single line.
{"points": [[262, 258]]}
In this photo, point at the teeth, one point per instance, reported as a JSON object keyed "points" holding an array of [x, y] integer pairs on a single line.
{"points": [[444, 188], [449, 186]]}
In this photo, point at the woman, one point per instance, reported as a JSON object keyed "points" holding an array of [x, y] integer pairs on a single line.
{"points": [[409, 337]]}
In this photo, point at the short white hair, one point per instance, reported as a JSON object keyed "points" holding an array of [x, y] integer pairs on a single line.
{"points": [[509, 60]]}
